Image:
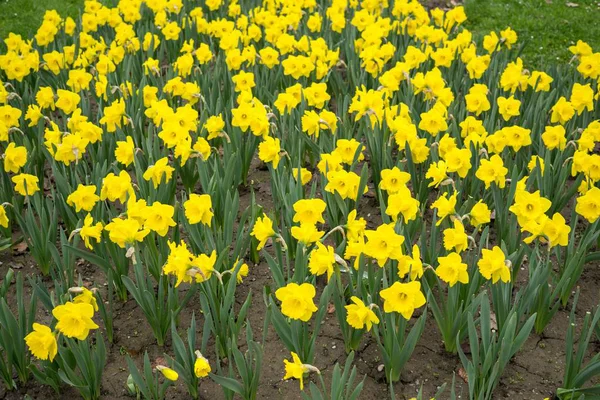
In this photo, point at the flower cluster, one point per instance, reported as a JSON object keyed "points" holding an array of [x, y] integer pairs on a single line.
{"points": [[411, 168]]}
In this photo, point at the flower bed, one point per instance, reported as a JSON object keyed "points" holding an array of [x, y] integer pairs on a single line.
{"points": [[360, 196]]}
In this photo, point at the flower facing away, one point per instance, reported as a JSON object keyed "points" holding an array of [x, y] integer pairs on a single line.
{"points": [[306, 233], [588, 205], [84, 296], [402, 203], [201, 366], [444, 206], [355, 227], [26, 184], [304, 174], [455, 238], [322, 260], [556, 231], [296, 369], [493, 265], [125, 231], [116, 187], [178, 262], [90, 231], [359, 315], [412, 265], [269, 151], [262, 231], [3, 217], [243, 270], [156, 172], [437, 173], [15, 157], [203, 266], [480, 214]]}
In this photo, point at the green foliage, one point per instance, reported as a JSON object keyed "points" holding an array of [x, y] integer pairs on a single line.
{"points": [[577, 373], [247, 366], [14, 356], [491, 351], [549, 27], [146, 384], [343, 384], [160, 305]]}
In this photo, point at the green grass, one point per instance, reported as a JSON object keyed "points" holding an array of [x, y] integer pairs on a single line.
{"points": [[548, 27], [25, 16]]}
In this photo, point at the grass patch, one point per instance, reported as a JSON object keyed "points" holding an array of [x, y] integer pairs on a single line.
{"points": [[548, 27], [25, 16]]}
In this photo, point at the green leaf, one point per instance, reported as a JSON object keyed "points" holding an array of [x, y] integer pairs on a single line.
{"points": [[228, 383]]}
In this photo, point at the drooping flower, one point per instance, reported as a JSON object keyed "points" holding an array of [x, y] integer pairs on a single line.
{"points": [[492, 265], [262, 231], [295, 369], [74, 319], [42, 342], [455, 238], [26, 184], [588, 205], [85, 296], [201, 366], [322, 260], [359, 315], [480, 214], [444, 206], [168, 373]]}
